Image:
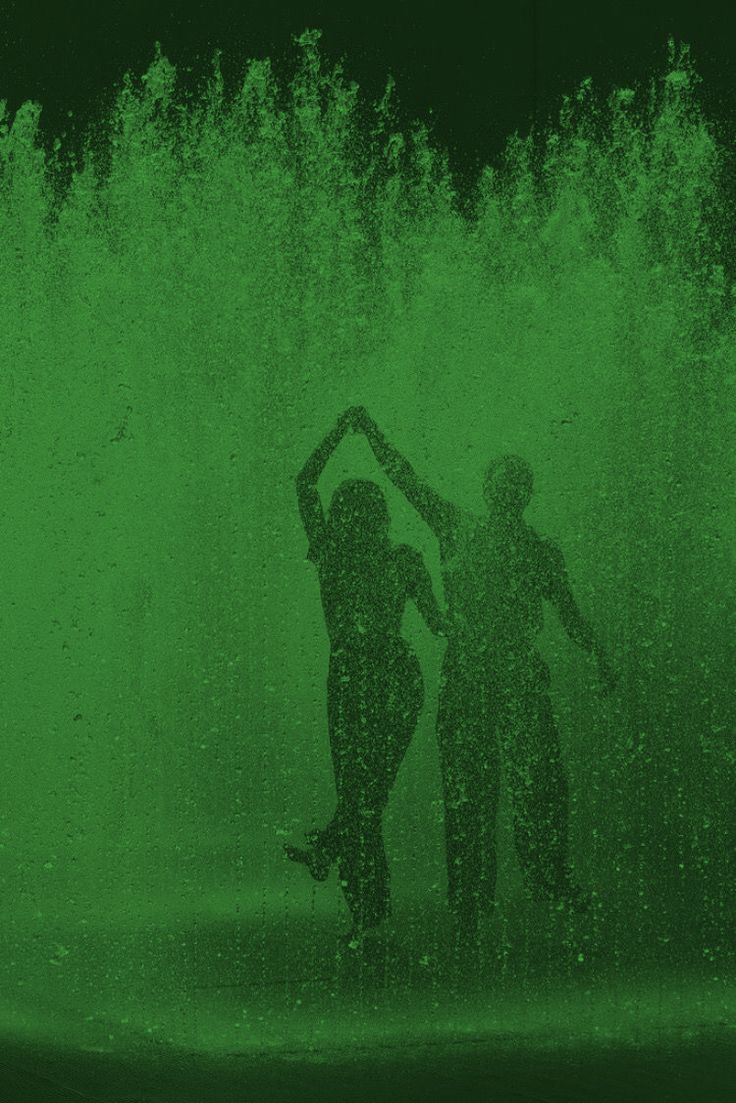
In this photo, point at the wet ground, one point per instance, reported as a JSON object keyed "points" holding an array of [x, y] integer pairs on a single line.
{"points": [[475, 1069], [222, 1005]]}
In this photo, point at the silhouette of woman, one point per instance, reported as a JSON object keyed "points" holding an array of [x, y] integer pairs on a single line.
{"points": [[374, 685]]}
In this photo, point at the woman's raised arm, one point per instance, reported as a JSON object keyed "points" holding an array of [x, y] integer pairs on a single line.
{"points": [[440, 515], [310, 505]]}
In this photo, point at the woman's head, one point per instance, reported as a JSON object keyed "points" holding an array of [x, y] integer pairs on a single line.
{"points": [[358, 513]]}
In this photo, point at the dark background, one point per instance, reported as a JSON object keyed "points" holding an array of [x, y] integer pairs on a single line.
{"points": [[476, 71]]}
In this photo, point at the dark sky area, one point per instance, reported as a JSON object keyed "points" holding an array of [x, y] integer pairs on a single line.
{"points": [[478, 71]]}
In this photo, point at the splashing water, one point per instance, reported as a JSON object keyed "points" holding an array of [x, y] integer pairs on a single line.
{"points": [[183, 319]]}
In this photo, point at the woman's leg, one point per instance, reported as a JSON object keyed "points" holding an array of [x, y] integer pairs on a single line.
{"points": [[326, 844], [363, 870], [385, 714]]}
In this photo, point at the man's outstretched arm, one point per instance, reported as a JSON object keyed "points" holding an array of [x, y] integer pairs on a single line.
{"points": [[439, 514], [578, 629]]}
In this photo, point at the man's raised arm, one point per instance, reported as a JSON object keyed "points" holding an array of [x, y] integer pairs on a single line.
{"points": [[439, 514]]}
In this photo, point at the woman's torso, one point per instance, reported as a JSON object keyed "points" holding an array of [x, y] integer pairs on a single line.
{"points": [[363, 597]]}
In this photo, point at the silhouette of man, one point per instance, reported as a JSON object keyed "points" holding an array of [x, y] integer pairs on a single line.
{"points": [[493, 702]]}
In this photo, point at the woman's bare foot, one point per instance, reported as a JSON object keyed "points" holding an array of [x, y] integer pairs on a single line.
{"points": [[317, 866]]}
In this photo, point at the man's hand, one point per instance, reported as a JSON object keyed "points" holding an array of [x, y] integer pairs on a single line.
{"points": [[346, 421], [358, 418]]}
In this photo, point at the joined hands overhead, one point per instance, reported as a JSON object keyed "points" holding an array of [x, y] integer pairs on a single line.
{"points": [[356, 418]]}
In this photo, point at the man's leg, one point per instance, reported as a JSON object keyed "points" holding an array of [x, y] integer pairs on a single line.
{"points": [[470, 775], [539, 793]]}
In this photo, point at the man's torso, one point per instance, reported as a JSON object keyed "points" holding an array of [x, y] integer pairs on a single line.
{"points": [[495, 580]]}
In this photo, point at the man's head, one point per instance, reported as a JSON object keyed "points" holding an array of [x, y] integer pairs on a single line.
{"points": [[508, 486], [358, 512]]}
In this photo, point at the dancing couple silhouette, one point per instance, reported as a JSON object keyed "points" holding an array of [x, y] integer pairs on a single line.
{"points": [[494, 705]]}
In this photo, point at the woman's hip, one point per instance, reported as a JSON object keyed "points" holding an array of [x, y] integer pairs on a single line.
{"points": [[388, 673]]}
